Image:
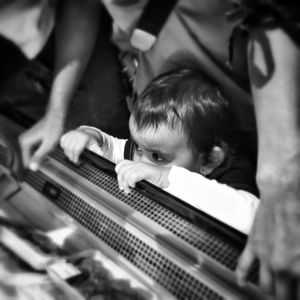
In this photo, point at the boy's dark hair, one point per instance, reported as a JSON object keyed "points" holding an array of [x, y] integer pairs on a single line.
{"points": [[185, 99]]}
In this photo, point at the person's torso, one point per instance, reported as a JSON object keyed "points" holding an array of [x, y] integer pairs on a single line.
{"points": [[195, 35]]}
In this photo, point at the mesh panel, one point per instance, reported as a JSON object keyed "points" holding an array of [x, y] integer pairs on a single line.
{"points": [[215, 248], [200, 239], [181, 284]]}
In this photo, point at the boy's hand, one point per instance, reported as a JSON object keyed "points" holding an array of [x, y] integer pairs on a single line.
{"points": [[130, 172], [74, 142]]}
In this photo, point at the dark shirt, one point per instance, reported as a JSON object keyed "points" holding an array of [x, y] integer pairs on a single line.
{"points": [[237, 172]]}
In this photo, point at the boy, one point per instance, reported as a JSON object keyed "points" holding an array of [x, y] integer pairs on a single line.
{"points": [[179, 142]]}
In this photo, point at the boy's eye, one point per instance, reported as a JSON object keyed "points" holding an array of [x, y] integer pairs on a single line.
{"points": [[157, 157]]}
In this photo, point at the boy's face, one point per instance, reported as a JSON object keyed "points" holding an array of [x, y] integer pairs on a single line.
{"points": [[163, 146]]}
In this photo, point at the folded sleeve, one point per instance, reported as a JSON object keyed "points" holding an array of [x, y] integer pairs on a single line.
{"points": [[112, 147]]}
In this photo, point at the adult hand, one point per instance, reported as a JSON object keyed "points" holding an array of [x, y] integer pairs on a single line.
{"points": [[275, 242], [274, 63], [40, 139], [130, 172]]}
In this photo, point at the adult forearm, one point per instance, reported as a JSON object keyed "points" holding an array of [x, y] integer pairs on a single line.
{"points": [[275, 77], [275, 237], [76, 32]]}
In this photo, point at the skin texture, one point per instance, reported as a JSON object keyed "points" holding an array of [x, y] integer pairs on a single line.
{"points": [[76, 32], [274, 62]]}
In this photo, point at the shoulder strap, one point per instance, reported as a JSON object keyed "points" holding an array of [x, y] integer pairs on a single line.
{"points": [[129, 149], [150, 23]]}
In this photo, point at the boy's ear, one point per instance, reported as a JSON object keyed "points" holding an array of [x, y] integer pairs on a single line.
{"points": [[215, 158]]}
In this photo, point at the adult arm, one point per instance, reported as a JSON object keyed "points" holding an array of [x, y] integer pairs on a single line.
{"points": [[76, 31], [274, 62]]}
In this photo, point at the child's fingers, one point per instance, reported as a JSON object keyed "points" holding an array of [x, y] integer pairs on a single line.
{"points": [[66, 140], [72, 147], [129, 173], [122, 167], [66, 145], [72, 151], [120, 182], [132, 176], [73, 144], [129, 179], [63, 140], [122, 170], [69, 154], [77, 150]]}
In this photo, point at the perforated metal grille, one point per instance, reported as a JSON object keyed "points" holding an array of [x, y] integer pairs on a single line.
{"points": [[215, 248], [181, 284], [200, 239]]}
